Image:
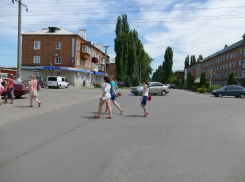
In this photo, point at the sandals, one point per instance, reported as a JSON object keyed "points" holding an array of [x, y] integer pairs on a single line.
{"points": [[147, 113], [121, 112], [39, 104], [96, 116], [109, 117], [144, 116], [30, 106]]}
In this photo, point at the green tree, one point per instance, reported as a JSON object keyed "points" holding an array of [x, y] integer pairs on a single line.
{"points": [[190, 80], [203, 80], [167, 64], [125, 28], [132, 57], [231, 79], [200, 58], [127, 81], [119, 50], [187, 61], [136, 81], [193, 59]]}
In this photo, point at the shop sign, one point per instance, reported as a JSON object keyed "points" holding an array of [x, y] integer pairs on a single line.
{"points": [[51, 68]]}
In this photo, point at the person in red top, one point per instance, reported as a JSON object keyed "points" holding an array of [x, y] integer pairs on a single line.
{"points": [[10, 89], [34, 94]]}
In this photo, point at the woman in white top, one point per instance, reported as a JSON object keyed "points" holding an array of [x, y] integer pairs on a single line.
{"points": [[1, 89], [105, 98], [145, 97]]}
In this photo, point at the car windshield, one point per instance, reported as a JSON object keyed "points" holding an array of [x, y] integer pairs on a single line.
{"points": [[16, 82]]}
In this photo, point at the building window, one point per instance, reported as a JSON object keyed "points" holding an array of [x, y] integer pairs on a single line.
{"points": [[224, 58], [86, 64], [239, 73], [36, 59], [223, 66], [240, 62], [36, 45], [244, 53], [58, 45], [58, 60], [89, 65], [241, 52], [231, 55], [82, 63], [86, 49], [78, 47], [78, 61], [234, 64], [227, 56], [234, 54]]}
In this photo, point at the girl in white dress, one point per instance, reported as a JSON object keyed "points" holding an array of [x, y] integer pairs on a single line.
{"points": [[106, 96]]}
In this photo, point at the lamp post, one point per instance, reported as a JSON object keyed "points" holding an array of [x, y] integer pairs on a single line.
{"points": [[211, 73]]}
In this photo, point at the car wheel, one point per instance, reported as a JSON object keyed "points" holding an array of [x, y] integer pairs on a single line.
{"points": [[135, 93], [18, 96], [49, 87], [220, 94], [242, 96], [163, 93], [237, 96], [59, 87], [154, 94], [138, 93]]}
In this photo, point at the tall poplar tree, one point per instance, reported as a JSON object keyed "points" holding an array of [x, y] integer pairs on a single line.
{"points": [[119, 50], [125, 27], [168, 64], [132, 57], [200, 58], [187, 61]]}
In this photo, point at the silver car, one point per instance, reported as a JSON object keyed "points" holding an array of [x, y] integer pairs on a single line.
{"points": [[155, 88]]}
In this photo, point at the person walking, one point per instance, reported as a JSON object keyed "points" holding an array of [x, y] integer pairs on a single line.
{"points": [[144, 97], [9, 89], [106, 96], [1, 89], [33, 92], [84, 83], [114, 95]]}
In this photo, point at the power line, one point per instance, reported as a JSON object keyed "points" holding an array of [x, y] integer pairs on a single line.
{"points": [[138, 11], [7, 58]]}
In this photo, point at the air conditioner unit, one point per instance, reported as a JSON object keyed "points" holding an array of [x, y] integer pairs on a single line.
{"points": [[78, 73], [56, 54]]}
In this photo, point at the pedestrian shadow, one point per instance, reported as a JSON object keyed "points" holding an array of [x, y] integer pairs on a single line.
{"points": [[88, 117], [22, 106], [132, 116]]}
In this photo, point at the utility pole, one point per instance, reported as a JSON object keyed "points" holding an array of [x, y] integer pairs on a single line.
{"points": [[20, 4], [106, 55]]}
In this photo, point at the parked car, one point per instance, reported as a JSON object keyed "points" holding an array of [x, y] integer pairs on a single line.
{"points": [[172, 86], [41, 81], [57, 82], [155, 88], [19, 89], [230, 90], [120, 84]]}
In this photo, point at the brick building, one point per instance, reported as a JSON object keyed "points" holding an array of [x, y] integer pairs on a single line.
{"points": [[180, 73], [58, 52], [230, 59], [11, 70], [195, 69], [112, 68]]}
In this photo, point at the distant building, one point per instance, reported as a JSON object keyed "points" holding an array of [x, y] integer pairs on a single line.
{"points": [[230, 59], [58, 52], [11, 70], [195, 69], [112, 68], [180, 73]]}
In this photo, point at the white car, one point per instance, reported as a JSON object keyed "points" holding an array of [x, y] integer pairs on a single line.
{"points": [[57, 82], [155, 88]]}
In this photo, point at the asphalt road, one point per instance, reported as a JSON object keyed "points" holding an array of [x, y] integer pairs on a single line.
{"points": [[187, 137]]}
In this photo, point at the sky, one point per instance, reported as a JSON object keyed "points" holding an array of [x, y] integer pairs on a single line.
{"points": [[189, 27]]}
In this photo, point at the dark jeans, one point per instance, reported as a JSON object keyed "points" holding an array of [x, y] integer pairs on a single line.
{"points": [[10, 92]]}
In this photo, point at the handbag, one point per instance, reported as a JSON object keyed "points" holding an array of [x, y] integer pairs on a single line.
{"points": [[5, 89], [104, 99], [149, 97]]}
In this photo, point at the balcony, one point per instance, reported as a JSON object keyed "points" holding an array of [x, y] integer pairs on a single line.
{"points": [[101, 68], [94, 67], [85, 56], [107, 63], [95, 60]]}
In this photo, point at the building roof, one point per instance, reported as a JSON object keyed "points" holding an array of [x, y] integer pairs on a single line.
{"points": [[194, 64], [45, 31], [180, 71], [233, 46]]}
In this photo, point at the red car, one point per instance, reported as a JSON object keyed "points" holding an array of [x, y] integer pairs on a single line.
{"points": [[20, 89]]}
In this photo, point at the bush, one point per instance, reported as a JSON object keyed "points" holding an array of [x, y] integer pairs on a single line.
{"points": [[136, 81], [214, 87], [98, 85], [127, 82], [202, 89]]}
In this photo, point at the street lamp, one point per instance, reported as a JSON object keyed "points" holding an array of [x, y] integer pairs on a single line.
{"points": [[211, 73]]}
